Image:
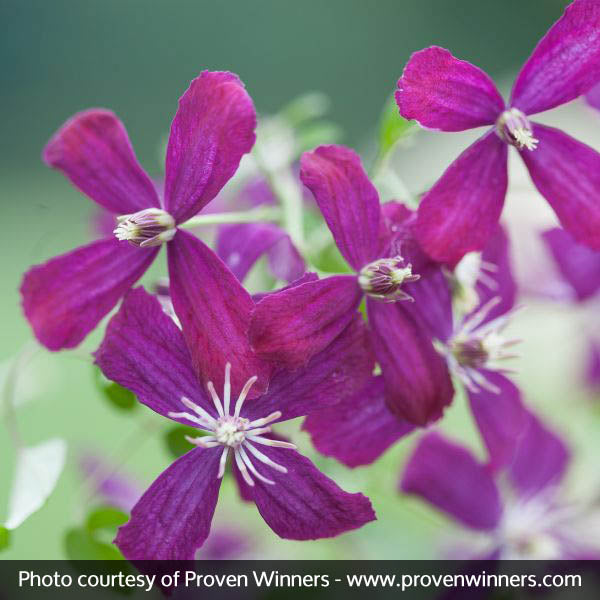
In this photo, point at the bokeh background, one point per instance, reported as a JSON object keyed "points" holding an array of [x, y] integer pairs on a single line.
{"points": [[137, 57]]}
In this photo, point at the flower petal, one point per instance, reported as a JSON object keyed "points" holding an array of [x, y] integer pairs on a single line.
{"points": [[338, 371], [214, 310], [93, 150], [417, 383], [348, 200], [173, 517], [297, 323], [592, 367], [240, 246], [501, 418], [212, 130], [458, 214], [567, 173], [448, 476], [593, 97], [304, 504], [359, 429], [442, 92], [144, 351], [541, 458], [67, 296], [308, 276], [564, 64], [578, 264]]}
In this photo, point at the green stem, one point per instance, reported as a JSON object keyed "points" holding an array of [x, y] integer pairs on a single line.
{"points": [[257, 215]]}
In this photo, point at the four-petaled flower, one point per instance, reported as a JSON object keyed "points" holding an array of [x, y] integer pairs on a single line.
{"points": [[177, 373], [390, 270], [441, 92], [66, 297]]}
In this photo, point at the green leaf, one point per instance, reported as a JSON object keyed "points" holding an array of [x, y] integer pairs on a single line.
{"points": [[105, 517], [117, 395], [4, 538], [175, 440], [392, 127], [81, 545]]}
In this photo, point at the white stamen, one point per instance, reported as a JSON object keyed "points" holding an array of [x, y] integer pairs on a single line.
{"points": [[273, 443], [215, 398], [260, 422], [243, 394], [223, 462], [227, 388], [198, 410], [184, 415], [264, 458], [252, 468], [203, 441], [242, 467]]}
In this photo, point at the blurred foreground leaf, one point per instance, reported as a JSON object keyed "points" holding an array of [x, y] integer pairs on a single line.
{"points": [[175, 440], [117, 395], [105, 517], [392, 127], [81, 545], [37, 472], [4, 538]]}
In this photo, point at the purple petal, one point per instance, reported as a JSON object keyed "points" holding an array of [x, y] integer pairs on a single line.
{"points": [[212, 130], [172, 519], [347, 199], [448, 476], [335, 373], [225, 544], [417, 383], [459, 212], [593, 97], [564, 64], [578, 264], [501, 418], [295, 324], [308, 276], [592, 370], [214, 310], [359, 429], [144, 351], [567, 173], [443, 92], [541, 458], [67, 296], [304, 504], [498, 280], [93, 150], [240, 246]]}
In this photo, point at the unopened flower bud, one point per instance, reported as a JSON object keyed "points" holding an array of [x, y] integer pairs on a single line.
{"points": [[383, 279], [515, 129], [149, 227]]}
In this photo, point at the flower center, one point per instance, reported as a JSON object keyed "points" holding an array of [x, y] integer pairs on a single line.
{"points": [[468, 273], [514, 128], [234, 432], [474, 347], [383, 279], [149, 227]]}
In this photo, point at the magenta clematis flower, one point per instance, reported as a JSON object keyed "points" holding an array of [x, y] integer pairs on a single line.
{"points": [[66, 297], [361, 427], [442, 92], [180, 375], [579, 267], [389, 269], [519, 510]]}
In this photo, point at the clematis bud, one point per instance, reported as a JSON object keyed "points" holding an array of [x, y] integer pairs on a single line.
{"points": [[515, 129], [149, 227], [383, 279]]}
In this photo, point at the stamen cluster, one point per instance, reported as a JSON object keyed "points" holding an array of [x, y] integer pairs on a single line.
{"points": [[383, 279], [146, 228]]}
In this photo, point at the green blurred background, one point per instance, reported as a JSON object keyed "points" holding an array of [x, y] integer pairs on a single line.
{"points": [[137, 57]]}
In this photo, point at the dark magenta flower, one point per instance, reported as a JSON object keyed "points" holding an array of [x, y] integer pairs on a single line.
{"points": [[389, 269], [579, 267], [66, 297], [207, 376], [441, 92], [361, 427], [519, 510]]}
